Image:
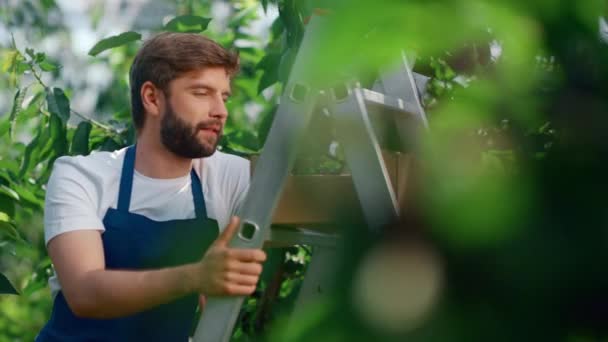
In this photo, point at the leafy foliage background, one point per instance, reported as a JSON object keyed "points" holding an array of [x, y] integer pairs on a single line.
{"points": [[509, 193]]}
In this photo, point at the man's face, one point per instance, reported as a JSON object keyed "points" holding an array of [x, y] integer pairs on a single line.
{"points": [[195, 113]]}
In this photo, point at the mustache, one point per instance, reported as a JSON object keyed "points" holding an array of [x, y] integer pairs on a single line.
{"points": [[209, 123]]}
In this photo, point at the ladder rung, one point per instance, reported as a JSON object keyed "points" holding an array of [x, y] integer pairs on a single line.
{"points": [[391, 103], [280, 236]]}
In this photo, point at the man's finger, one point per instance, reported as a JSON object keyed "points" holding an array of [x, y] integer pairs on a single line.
{"points": [[242, 279], [239, 290], [249, 255], [249, 268], [229, 231], [202, 301]]}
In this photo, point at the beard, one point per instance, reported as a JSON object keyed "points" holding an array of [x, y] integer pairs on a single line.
{"points": [[182, 139]]}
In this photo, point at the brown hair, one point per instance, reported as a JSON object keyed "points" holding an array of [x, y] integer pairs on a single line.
{"points": [[168, 55]]}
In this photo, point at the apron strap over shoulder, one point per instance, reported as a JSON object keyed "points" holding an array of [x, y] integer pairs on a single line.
{"points": [[126, 180]]}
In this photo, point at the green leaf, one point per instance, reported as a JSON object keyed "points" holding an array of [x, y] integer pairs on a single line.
{"points": [[7, 204], [39, 57], [109, 144], [10, 58], [21, 67], [48, 4], [34, 286], [7, 225], [242, 18], [58, 103], [33, 107], [59, 135], [28, 197], [31, 153], [268, 78], [114, 41], [17, 104], [292, 19], [80, 141], [241, 140], [4, 217], [4, 127], [9, 192], [270, 64], [277, 28], [47, 66], [30, 52], [187, 23], [54, 141], [287, 61], [5, 286]]}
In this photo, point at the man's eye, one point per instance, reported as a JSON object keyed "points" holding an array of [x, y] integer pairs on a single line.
{"points": [[200, 94]]}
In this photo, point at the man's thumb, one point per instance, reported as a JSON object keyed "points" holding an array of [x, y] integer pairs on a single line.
{"points": [[229, 231]]}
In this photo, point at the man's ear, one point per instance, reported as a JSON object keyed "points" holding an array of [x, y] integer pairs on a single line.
{"points": [[151, 98]]}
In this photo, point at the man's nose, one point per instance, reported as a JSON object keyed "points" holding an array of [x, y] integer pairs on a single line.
{"points": [[219, 110]]}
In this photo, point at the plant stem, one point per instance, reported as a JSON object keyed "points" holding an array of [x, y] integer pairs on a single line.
{"points": [[37, 77], [94, 122]]}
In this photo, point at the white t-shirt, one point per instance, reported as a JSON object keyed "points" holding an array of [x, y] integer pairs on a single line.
{"points": [[81, 189]]}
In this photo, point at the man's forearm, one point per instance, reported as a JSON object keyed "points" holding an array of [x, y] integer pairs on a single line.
{"points": [[117, 293]]}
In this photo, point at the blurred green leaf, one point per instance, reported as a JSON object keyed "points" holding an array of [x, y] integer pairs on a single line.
{"points": [[287, 61], [9, 192], [10, 59], [80, 141], [30, 155], [39, 57], [52, 132], [109, 144], [48, 4], [33, 107], [5, 286], [114, 41], [16, 109], [187, 23], [34, 286], [58, 103], [7, 226], [27, 197], [5, 125], [30, 52], [47, 66], [270, 65]]}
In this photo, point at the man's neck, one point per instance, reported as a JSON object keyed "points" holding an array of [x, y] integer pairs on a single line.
{"points": [[155, 161]]}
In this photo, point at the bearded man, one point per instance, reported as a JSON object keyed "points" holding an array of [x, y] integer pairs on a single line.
{"points": [[135, 235]]}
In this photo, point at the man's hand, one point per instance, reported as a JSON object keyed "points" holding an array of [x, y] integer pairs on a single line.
{"points": [[226, 271], [202, 301]]}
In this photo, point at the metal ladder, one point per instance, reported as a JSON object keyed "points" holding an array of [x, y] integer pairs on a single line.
{"points": [[348, 103]]}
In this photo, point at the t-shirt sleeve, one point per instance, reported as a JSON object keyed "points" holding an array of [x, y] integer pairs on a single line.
{"points": [[71, 200], [241, 184]]}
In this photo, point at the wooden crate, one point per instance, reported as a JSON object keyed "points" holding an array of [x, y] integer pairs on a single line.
{"points": [[316, 201]]}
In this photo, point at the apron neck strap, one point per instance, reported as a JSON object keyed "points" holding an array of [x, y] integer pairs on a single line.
{"points": [[126, 180], [197, 195]]}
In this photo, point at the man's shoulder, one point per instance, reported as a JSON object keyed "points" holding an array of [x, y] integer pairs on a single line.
{"points": [[99, 163]]}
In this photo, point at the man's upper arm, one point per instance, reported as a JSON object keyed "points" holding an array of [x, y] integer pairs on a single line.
{"points": [[72, 226], [73, 254]]}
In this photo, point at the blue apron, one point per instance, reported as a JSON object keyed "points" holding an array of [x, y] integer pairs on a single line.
{"points": [[133, 241]]}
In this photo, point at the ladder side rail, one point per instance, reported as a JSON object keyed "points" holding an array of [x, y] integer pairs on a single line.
{"points": [[292, 118], [364, 157]]}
